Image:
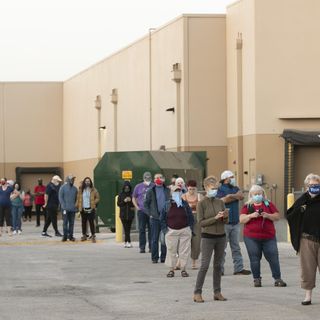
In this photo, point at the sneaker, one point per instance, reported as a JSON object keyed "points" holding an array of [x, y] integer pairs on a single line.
{"points": [[125, 245], [72, 239], [142, 251], [19, 231], [257, 283], [64, 239], [58, 234], [14, 232], [44, 234], [93, 239], [129, 245], [84, 238], [280, 283], [243, 272]]}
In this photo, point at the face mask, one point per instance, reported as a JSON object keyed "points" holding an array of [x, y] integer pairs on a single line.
{"points": [[16, 187], [212, 193], [176, 197], [158, 182], [147, 183], [315, 189], [56, 183], [233, 181], [126, 190], [87, 184], [257, 198]]}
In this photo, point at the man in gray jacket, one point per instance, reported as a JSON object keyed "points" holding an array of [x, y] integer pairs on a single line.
{"points": [[68, 198]]}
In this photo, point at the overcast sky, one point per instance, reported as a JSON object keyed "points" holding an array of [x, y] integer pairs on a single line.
{"points": [[52, 40]]}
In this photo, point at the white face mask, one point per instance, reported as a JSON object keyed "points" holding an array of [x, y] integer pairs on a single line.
{"points": [[212, 193], [233, 181], [147, 183]]}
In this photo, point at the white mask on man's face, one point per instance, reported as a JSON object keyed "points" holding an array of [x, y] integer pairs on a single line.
{"points": [[147, 182]]}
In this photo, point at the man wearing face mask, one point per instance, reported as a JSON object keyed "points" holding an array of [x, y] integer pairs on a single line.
{"points": [[68, 198], [230, 194], [39, 191], [154, 204], [138, 197], [51, 204]]}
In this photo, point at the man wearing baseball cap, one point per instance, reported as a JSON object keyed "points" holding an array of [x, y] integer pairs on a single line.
{"points": [[51, 204], [230, 194]]}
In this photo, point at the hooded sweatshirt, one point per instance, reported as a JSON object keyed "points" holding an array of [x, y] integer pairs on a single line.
{"points": [[68, 196], [126, 207]]}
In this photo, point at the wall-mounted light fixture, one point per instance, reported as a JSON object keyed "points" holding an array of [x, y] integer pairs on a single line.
{"points": [[162, 147], [102, 128], [170, 109], [114, 96], [176, 72], [97, 102]]}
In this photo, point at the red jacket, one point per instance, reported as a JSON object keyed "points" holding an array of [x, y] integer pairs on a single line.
{"points": [[259, 228]]}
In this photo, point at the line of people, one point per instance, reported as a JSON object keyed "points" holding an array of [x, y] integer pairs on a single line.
{"points": [[50, 199]]}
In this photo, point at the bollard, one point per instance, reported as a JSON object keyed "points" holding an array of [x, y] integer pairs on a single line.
{"points": [[118, 222], [290, 201]]}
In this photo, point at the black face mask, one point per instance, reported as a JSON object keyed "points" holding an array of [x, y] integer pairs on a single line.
{"points": [[87, 185]]}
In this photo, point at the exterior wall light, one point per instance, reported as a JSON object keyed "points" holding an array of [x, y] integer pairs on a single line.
{"points": [[176, 72]]}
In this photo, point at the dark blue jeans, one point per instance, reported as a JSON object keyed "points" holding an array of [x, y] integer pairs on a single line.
{"points": [[68, 224], [269, 248], [155, 235], [144, 222]]}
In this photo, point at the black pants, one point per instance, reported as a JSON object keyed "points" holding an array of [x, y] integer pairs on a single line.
{"points": [[27, 212], [5, 213], [38, 213], [51, 216], [127, 228], [85, 217]]}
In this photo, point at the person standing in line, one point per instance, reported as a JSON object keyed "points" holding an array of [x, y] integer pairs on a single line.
{"points": [[16, 198], [212, 217], [87, 201], [154, 204], [27, 205], [5, 206], [138, 197], [259, 234], [174, 177], [51, 204], [126, 211], [68, 200], [230, 194], [39, 192], [192, 198], [304, 222], [177, 223]]}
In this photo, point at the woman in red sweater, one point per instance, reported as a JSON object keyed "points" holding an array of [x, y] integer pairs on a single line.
{"points": [[258, 215]]}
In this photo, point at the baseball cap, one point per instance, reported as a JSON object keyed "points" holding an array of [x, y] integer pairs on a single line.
{"points": [[226, 174]]}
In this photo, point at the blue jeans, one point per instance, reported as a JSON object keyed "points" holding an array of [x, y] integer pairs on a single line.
{"points": [[232, 236], [68, 224], [155, 235], [269, 248], [16, 213], [144, 222]]}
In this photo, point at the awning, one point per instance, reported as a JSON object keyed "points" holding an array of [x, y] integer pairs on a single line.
{"points": [[298, 137]]}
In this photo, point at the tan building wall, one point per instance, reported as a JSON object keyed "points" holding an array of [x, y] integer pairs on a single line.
{"points": [[143, 80], [31, 126]]}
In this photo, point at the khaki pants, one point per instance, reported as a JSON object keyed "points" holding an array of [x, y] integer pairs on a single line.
{"points": [[178, 241], [309, 261]]}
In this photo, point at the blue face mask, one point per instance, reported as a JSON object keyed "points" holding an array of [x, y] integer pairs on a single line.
{"points": [[315, 189], [257, 198], [212, 193], [233, 181], [176, 197]]}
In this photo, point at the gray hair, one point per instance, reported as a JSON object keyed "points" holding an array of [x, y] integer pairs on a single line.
{"points": [[209, 180], [311, 176], [255, 188]]}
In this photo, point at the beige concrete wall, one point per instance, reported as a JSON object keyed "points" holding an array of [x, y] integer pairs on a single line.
{"points": [[205, 108], [31, 125], [287, 64]]}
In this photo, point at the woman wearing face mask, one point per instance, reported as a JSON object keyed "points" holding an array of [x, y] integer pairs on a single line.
{"points": [[304, 222], [87, 201], [212, 217], [177, 223], [5, 205], [126, 211], [258, 216], [192, 198], [16, 198]]}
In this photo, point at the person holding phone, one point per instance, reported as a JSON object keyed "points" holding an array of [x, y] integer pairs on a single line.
{"points": [[230, 194], [212, 217]]}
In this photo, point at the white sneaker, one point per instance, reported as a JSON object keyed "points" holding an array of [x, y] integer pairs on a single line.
{"points": [[129, 245], [19, 231], [14, 232], [125, 245]]}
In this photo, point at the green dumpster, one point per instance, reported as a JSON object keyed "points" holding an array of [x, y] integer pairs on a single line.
{"points": [[115, 167]]}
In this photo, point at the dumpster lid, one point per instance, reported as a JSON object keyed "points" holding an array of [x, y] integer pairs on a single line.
{"points": [[174, 160]]}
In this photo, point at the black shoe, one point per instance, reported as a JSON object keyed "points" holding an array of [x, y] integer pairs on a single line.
{"points": [[58, 234], [72, 239], [306, 302], [243, 272], [154, 261], [37, 225], [222, 273], [163, 261], [142, 251], [44, 234], [64, 239], [280, 283]]}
